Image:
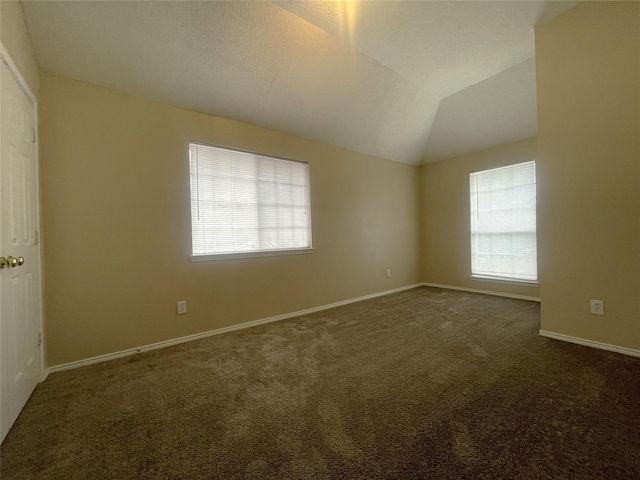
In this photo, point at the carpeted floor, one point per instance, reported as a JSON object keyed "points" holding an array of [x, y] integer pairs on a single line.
{"points": [[427, 383]]}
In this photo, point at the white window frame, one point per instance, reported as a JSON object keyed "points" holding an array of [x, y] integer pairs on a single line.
{"points": [[486, 226], [203, 248]]}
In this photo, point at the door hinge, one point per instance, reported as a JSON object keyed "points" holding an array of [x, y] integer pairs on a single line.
{"points": [[35, 136], [37, 237], [39, 338]]}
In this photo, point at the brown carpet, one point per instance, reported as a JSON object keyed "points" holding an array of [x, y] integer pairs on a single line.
{"points": [[426, 383]]}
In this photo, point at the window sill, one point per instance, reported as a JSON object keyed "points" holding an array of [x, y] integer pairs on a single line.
{"points": [[267, 253], [509, 281]]}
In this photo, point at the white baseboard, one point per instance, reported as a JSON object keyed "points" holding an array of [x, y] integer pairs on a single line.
{"points": [[485, 292], [591, 343], [210, 333]]}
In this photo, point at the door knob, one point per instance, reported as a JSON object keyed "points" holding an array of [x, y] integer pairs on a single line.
{"points": [[11, 262]]}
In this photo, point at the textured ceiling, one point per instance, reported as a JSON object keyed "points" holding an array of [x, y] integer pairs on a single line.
{"points": [[408, 81]]}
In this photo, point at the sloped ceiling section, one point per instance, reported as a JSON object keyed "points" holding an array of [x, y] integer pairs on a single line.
{"points": [[493, 112], [400, 80]]}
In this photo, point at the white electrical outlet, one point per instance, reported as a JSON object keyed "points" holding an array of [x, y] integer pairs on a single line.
{"points": [[389, 273], [597, 307], [182, 307]]}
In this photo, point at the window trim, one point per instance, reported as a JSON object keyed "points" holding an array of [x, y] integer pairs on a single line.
{"points": [[495, 278], [207, 257], [507, 280], [263, 253]]}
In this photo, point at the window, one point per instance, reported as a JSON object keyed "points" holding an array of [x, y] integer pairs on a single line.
{"points": [[245, 204], [503, 223]]}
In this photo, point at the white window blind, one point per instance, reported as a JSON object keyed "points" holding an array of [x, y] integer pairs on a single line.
{"points": [[503, 222], [244, 202]]}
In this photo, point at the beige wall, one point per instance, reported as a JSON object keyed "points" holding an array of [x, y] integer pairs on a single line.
{"points": [[115, 187], [15, 38], [588, 77], [116, 205], [445, 223]]}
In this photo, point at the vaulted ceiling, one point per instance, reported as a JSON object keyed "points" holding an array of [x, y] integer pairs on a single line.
{"points": [[413, 82]]}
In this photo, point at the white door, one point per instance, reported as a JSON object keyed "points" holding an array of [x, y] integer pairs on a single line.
{"points": [[20, 293]]}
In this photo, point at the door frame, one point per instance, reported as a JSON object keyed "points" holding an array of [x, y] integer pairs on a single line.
{"points": [[24, 86]]}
